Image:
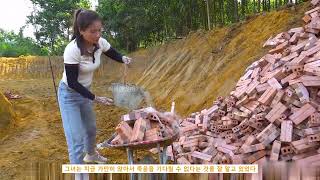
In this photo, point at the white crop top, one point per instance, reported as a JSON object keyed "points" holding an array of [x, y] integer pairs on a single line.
{"points": [[72, 55]]}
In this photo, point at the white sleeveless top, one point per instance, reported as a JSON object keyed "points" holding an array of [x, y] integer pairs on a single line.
{"points": [[72, 55]]}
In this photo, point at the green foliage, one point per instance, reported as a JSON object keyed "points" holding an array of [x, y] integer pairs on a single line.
{"points": [[130, 24], [14, 45], [52, 20], [140, 23]]}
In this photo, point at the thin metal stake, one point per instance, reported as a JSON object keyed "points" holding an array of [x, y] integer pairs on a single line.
{"points": [[53, 79], [52, 74]]}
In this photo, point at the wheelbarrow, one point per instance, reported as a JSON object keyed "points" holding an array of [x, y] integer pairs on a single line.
{"points": [[164, 142]]}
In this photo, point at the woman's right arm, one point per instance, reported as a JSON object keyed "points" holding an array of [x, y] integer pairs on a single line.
{"points": [[71, 58], [72, 72]]}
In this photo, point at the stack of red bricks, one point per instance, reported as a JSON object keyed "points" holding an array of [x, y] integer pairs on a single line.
{"points": [[272, 113], [145, 125]]}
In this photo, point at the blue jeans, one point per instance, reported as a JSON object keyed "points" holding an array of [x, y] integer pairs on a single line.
{"points": [[79, 123]]}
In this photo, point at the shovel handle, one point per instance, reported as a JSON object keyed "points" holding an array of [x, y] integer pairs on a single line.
{"points": [[125, 73]]}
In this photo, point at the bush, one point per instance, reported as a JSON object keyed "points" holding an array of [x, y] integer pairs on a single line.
{"points": [[15, 45]]}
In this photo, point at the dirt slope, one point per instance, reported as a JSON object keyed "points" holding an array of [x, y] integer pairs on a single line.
{"points": [[195, 70], [7, 115]]}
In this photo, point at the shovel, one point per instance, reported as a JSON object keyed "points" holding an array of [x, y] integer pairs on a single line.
{"points": [[127, 95]]}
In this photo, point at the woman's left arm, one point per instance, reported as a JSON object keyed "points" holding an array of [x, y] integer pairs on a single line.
{"points": [[114, 54]]}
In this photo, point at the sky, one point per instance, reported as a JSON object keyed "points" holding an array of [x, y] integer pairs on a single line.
{"points": [[13, 15]]}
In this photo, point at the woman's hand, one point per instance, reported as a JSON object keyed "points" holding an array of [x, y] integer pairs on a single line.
{"points": [[126, 59], [103, 100]]}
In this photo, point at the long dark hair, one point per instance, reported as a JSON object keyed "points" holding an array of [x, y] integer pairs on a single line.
{"points": [[82, 20]]}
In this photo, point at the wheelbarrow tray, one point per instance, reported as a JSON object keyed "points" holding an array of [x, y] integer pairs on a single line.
{"points": [[143, 144]]}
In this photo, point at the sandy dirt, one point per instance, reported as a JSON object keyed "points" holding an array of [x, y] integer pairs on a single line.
{"points": [[38, 135]]}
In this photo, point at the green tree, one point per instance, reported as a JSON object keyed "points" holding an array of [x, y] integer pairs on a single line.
{"points": [[14, 45], [52, 20], [130, 24]]}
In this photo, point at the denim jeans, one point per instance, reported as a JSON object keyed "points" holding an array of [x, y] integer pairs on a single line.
{"points": [[79, 123]]}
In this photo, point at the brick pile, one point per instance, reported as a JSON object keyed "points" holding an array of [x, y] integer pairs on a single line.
{"points": [[145, 125], [273, 111]]}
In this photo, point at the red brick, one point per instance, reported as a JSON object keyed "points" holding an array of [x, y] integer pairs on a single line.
{"points": [[138, 130], [303, 113], [276, 112], [267, 96], [286, 131], [125, 131]]}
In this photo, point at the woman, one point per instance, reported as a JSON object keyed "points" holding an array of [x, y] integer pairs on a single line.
{"points": [[81, 58]]}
